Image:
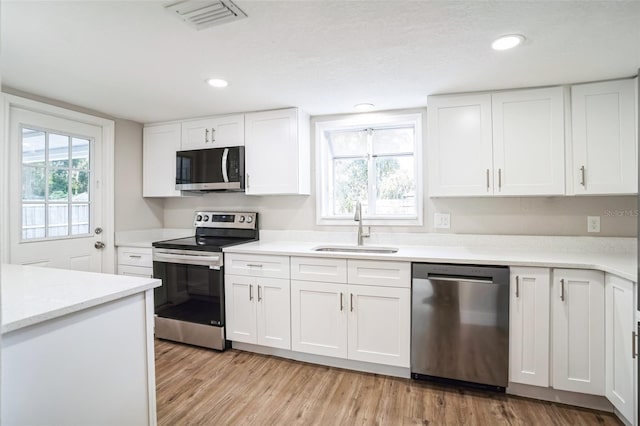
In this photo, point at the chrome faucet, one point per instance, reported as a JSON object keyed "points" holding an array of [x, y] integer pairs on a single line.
{"points": [[358, 218]]}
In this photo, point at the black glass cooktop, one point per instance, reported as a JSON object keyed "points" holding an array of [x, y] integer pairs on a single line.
{"points": [[201, 243]]}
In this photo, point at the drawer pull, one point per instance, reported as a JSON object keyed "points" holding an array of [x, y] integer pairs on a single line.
{"points": [[254, 265], [135, 256]]}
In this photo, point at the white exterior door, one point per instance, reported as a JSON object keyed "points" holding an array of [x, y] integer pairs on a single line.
{"points": [[319, 318], [604, 138], [380, 324], [56, 193], [619, 324], [529, 326], [274, 313], [240, 308], [528, 142], [578, 331], [460, 156]]}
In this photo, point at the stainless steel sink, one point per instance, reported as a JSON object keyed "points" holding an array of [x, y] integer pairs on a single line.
{"points": [[356, 249]]}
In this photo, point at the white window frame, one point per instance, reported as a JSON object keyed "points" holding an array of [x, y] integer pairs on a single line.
{"points": [[363, 121]]}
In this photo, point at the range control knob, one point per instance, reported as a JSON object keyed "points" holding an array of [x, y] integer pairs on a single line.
{"points": [[205, 218], [241, 219], [199, 218], [249, 219]]}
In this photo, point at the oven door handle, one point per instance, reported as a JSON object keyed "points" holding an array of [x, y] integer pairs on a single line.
{"points": [[180, 258]]}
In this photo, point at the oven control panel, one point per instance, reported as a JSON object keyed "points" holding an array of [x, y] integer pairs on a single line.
{"points": [[235, 220]]}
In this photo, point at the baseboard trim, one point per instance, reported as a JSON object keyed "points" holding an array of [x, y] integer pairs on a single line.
{"points": [[366, 367], [593, 402]]}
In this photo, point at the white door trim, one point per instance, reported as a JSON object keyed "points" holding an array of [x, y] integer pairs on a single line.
{"points": [[108, 147]]}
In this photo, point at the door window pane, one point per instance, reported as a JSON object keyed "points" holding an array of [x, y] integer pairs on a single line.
{"points": [[395, 186], [58, 216], [79, 219], [33, 220], [58, 185], [33, 183], [79, 186], [80, 153], [33, 147], [58, 150]]}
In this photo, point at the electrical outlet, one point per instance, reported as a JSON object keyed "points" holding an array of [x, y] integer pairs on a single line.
{"points": [[442, 220], [593, 223]]}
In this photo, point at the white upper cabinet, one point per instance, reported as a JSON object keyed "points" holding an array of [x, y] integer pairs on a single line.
{"points": [[460, 156], [528, 142], [277, 154], [159, 146], [508, 143], [604, 138], [213, 132]]}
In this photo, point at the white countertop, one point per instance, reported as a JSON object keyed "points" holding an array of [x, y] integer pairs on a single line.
{"points": [[31, 295], [145, 237], [621, 264]]}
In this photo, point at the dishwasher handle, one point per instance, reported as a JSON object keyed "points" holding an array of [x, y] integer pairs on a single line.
{"points": [[481, 280]]}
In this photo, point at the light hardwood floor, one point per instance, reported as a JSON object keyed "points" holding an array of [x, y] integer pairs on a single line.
{"points": [[203, 387]]}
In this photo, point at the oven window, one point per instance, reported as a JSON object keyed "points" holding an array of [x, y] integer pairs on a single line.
{"points": [[189, 293]]}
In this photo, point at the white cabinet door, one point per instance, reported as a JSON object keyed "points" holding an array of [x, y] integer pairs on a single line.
{"points": [[459, 152], [619, 325], [277, 157], [529, 313], [604, 138], [159, 146], [528, 142], [213, 132], [319, 318], [240, 308], [274, 313], [577, 298], [380, 324]]}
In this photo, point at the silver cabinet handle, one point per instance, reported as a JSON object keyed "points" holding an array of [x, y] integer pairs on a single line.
{"points": [[487, 179], [341, 302], [351, 300], [213, 135], [250, 292], [499, 179], [562, 289], [135, 256], [259, 295], [247, 180], [582, 180], [206, 135], [254, 265], [634, 348], [517, 286]]}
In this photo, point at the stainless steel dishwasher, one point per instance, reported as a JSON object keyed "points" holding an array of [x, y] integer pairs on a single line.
{"points": [[460, 324]]}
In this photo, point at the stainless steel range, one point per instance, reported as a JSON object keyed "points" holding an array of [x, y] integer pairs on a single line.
{"points": [[189, 306]]}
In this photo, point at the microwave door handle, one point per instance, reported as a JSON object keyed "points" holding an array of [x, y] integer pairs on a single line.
{"points": [[225, 164]]}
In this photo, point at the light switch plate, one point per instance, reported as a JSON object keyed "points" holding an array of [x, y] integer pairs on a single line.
{"points": [[593, 223], [442, 220]]}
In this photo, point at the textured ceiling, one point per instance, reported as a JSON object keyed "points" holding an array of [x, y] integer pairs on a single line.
{"points": [[132, 59]]}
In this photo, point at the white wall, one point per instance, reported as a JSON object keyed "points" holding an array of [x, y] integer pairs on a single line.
{"points": [[519, 216]]}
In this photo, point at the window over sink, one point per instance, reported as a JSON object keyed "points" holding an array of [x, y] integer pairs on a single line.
{"points": [[374, 159]]}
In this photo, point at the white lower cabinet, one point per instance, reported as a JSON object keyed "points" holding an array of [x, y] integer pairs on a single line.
{"points": [[258, 310], [619, 332], [529, 326], [359, 322], [578, 355]]}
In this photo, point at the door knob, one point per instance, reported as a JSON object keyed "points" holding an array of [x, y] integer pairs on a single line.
{"points": [[99, 245]]}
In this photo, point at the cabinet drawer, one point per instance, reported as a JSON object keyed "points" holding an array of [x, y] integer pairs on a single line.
{"points": [[135, 256], [257, 265], [319, 269], [373, 272], [135, 271]]}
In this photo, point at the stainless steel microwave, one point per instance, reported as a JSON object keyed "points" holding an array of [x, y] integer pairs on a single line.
{"points": [[213, 169]]}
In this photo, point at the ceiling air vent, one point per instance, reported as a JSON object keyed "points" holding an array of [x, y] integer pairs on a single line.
{"points": [[201, 14]]}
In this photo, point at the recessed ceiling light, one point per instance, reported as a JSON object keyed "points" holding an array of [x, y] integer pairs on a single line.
{"points": [[364, 107], [507, 42], [217, 82]]}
